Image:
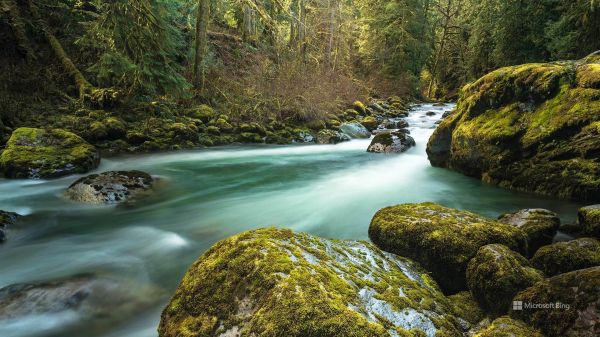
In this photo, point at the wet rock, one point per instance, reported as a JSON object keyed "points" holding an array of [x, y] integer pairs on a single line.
{"points": [[563, 257], [496, 274], [303, 136], [40, 154], [442, 239], [576, 300], [280, 283], [394, 124], [112, 187], [355, 130], [7, 219], [430, 113], [539, 224], [331, 137], [507, 327], [85, 302], [391, 142], [589, 220]]}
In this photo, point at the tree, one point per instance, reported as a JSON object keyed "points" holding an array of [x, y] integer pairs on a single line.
{"points": [[201, 42]]}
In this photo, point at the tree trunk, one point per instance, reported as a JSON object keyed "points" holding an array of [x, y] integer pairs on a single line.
{"points": [[302, 30], [331, 33], [201, 42]]}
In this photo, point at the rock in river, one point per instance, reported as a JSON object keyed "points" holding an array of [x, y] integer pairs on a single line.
{"points": [[563, 257], [39, 154], [274, 282], [327, 136], [539, 224], [442, 239], [391, 142], [7, 219], [112, 187], [589, 220], [355, 130]]}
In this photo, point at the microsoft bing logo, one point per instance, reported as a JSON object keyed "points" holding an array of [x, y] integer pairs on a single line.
{"points": [[517, 305]]}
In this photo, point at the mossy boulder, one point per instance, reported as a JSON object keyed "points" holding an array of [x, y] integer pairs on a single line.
{"points": [[40, 153], [507, 327], [563, 257], [540, 225], [588, 220], [466, 309], [331, 137], [532, 127], [274, 282], [576, 300], [250, 137], [496, 274], [108, 129], [391, 142], [203, 112], [253, 128], [223, 125], [112, 187], [359, 107], [7, 219], [442, 239], [355, 130], [370, 123]]}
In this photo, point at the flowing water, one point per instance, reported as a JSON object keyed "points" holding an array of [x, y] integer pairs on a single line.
{"points": [[207, 195]]}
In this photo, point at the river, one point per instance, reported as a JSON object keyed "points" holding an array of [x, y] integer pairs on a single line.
{"points": [[209, 194]]}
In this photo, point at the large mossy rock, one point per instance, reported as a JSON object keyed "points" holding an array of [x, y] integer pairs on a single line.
{"points": [[507, 327], [7, 219], [391, 142], [442, 239], [274, 282], [540, 225], [496, 274], [112, 187], [576, 300], [533, 127], [564, 257], [40, 154], [588, 220]]}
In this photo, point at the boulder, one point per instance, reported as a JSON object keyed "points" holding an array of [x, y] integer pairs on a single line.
{"points": [[109, 129], [203, 112], [442, 239], [466, 309], [540, 225], [566, 305], [40, 154], [496, 274], [588, 219], [253, 128], [327, 136], [7, 219], [274, 282], [530, 127], [370, 123], [507, 327], [112, 187], [355, 130], [391, 142], [563, 257], [359, 107]]}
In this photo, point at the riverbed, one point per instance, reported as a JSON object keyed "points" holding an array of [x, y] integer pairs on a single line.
{"points": [[206, 195]]}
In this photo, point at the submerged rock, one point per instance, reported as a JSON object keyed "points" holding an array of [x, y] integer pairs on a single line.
{"points": [[331, 137], [496, 274], [112, 187], [442, 239], [274, 282], [507, 327], [391, 142], [532, 127], [589, 220], [39, 154], [7, 219], [564, 257], [355, 130], [568, 305], [540, 225]]}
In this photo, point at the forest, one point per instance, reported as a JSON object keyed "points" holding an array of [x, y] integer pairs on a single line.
{"points": [[300, 168]]}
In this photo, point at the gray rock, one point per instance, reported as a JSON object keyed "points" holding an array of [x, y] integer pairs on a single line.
{"points": [[112, 187], [391, 142], [539, 224], [355, 130], [331, 137]]}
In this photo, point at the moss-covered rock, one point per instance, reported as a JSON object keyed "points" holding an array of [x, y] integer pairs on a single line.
{"points": [[540, 225], [496, 274], [588, 220], [359, 107], [202, 112], [355, 130], [532, 127], [223, 125], [507, 327], [442, 239], [112, 187], [253, 128], [107, 129], [7, 219], [575, 297], [273, 282], [250, 137], [563, 257], [391, 142], [40, 153], [331, 137], [466, 309], [370, 123]]}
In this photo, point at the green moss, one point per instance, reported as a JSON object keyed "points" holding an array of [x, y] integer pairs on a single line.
{"points": [[507, 327], [250, 137], [370, 123], [466, 308], [442, 239], [578, 290], [496, 274], [540, 225], [589, 220], [39, 153], [564, 257], [359, 107], [203, 112], [588, 76], [272, 282]]}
